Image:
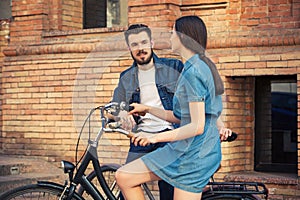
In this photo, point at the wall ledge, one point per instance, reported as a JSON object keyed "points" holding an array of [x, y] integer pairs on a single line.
{"points": [[267, 178]]}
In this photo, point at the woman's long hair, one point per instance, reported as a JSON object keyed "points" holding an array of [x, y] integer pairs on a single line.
{"points": [[193, 35]]}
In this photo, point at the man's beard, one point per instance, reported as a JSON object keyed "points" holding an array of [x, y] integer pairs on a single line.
{"points": [[143, 62]]}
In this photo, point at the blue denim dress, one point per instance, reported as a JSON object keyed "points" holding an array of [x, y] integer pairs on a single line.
{"points": [[188, 164]]}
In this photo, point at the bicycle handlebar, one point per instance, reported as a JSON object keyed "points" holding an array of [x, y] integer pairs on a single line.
{"points": [[114, 108], [114, 127], [120, 130]]}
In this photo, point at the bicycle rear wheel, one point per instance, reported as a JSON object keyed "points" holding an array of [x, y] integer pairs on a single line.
{"points": [[35, 192], [230, 197]]}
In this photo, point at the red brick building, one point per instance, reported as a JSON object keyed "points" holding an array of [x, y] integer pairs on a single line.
{"points": [[60, 58]]}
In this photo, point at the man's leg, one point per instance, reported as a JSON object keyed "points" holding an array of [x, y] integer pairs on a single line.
{"points": [[166, 191]]}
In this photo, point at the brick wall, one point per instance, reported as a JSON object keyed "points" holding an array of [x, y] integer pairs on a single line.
{"points": [[4, 40], [53, 72], [39, 93], [154, 13], [29, 20], [71, 14], [238, 113]]}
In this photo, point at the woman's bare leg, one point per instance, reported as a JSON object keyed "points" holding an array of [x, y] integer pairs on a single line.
{"points": [[130, 177], [182, 194]]}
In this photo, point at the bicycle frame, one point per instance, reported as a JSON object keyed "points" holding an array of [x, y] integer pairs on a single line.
{"points": [[91, 155], [80, 178]]}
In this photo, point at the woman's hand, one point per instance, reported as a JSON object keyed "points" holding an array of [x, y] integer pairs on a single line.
{"points": [[139, 109], [143, 139], [127, 122]]}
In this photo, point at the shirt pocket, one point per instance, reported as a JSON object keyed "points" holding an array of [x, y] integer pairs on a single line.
{"points": [[133, 96], [171, 86]]}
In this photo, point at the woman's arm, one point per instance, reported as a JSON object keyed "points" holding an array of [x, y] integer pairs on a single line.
{"points": [[167, 115], [195, 127]]}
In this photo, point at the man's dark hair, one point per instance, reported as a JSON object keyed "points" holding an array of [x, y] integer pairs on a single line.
{"points": [[135, 29]]}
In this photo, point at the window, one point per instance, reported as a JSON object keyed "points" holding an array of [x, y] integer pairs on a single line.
{"points": [[5, 9], [104, 13], [276, 124]]}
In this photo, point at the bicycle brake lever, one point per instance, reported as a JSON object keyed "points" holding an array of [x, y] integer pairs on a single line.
{"points": [[114, 125]]}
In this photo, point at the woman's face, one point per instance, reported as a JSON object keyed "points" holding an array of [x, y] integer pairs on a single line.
{"points": [[175, 41]]}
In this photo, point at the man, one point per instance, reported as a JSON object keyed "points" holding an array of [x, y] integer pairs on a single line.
{"points": [[152, 81]]}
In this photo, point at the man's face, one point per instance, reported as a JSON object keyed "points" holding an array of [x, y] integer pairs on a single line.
{"points": [[140, 47]]}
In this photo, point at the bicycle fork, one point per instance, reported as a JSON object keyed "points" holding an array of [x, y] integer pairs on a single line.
{"points": [[68, 191]]}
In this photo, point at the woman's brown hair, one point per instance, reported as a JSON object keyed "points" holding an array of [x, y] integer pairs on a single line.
{"points": [[193, 35]]}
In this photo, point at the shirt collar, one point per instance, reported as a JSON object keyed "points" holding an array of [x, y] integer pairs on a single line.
{"points": [[189, 63]]}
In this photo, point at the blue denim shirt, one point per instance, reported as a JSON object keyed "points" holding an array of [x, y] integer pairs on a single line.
{"points": [[167, 71]]}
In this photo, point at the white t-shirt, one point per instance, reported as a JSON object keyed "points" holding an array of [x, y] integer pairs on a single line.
{"points": [[149, 96]]}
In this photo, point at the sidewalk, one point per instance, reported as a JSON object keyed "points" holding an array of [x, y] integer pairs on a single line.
{"points": [[17, 171]]}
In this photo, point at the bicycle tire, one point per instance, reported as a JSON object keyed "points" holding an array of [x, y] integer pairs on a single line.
{"points": [[109, 175], [230, 197], [35, 192]]}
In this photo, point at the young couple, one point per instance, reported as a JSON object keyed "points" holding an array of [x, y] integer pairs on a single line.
{"points": [[176, 113]]}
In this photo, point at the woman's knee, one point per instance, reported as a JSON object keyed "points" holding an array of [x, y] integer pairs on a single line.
{"points": [[121, 177]]}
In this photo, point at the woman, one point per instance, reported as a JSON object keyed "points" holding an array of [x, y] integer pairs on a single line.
{"points": [[193, 153]]}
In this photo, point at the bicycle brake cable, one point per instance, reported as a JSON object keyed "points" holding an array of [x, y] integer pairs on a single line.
{"points": [[81, 131]]}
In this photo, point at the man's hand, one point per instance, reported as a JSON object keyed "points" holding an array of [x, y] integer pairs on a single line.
{"points": [[139, 109], [225, 133]]}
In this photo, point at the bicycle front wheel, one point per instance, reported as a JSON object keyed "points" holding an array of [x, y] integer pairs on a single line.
{"points": [[35, 192], [230, 197]]}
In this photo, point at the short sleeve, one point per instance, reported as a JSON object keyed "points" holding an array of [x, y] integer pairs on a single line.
{"points": [[195, 86]]}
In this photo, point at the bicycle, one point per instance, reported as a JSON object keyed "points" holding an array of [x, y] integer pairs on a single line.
{"points": [[79, 184], [51, 190], [214, 190]]}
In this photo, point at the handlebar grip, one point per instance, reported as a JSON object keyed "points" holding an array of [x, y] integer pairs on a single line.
{"points": [[232, 137], [125, 106], [114, 125], [130, 108], [130, 135]]}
